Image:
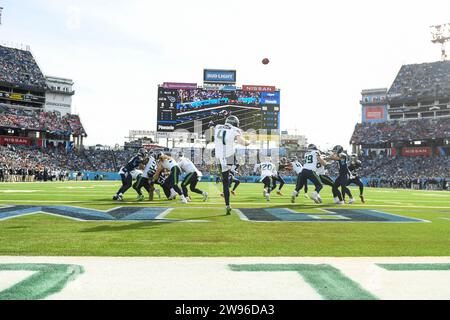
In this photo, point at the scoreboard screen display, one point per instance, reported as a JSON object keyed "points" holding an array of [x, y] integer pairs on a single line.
{"points": [[192, 109]]}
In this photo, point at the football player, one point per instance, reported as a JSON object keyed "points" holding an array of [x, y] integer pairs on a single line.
{"points": [[146, 179], [268, 171], [354, 167], [166, 162], [297, 167], [126, 173], [193, 176], [278, 178], [342, 159], [312, 160], [225, 137]]}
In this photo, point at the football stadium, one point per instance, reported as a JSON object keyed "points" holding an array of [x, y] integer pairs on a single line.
{"points": [[219, 199]]}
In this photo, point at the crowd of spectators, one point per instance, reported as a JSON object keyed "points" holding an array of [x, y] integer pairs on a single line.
{"points": [[20, 118], [19, 67], [394, 131], [422, 81]]}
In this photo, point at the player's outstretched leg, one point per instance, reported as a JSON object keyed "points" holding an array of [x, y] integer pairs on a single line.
{"points": [[236, 185], [127, 181], [282, 183], [316, 194], [336, 193], [359, 183], [226, 191]]}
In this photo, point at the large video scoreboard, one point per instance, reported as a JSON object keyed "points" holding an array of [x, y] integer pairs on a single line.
{"points": [[194, 109]]}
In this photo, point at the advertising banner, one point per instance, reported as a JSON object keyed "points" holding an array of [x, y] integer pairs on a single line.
{"points": [[259, 88], [179, 85], [270, 98], [18, 141], [219, 76], [415, 152], [374, 114]]}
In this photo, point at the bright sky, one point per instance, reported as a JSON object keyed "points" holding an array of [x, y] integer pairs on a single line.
{"points": [[323, 53]]}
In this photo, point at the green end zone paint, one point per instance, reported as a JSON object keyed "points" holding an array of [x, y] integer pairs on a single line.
{"points": [[47, 279], [328, 281], [330, 215], [416, 267]]}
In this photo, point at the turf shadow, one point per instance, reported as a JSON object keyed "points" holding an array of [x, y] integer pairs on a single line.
{"points": [[131, 226]]}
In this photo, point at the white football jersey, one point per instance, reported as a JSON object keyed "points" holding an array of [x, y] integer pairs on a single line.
{"points": [[169, 163], [224, 140], [150, 167], [321, 170], [187, 166], [311, 160], [135, 174], [267, 169], [297, 167]]}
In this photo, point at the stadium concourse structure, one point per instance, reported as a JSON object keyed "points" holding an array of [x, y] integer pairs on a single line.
{"points": [[35, 110], [405, 131]]}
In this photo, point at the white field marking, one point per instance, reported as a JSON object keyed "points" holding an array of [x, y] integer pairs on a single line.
{"points": [[164, 214], [431, 195], [70, 187], [196, 278], [20, 191], [10, 278], [241, 215], [401, 217]]}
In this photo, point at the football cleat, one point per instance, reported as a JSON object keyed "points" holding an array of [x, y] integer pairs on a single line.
{"points": [[158, 193], [184, 200], [362, 199], [268, 197], [233, 193], [228, 210], [294, 195], [306, 196], [115, 198], [205, 196], [351, 201], [315, 196], [279, 193], [140, 197]]}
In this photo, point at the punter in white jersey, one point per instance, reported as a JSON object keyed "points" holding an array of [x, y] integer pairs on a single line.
{"points": [[268, 171], [225, 138], [193, 176], [166, 162], [312, 161]]}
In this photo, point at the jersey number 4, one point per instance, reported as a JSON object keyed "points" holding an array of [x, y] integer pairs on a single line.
{"points": [[221, 134]]}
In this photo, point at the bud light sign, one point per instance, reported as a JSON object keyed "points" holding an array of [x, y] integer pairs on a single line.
{"points": [[270, 98], [219, 76]]}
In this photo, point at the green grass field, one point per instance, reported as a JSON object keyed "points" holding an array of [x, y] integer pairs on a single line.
{"points": [[47, 235]]}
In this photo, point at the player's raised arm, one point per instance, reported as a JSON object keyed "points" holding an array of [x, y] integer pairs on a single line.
{"points": [[242, 141]]}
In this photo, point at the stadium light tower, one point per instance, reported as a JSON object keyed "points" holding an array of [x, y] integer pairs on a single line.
{"points": [[441, 34], [1, 9]]}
